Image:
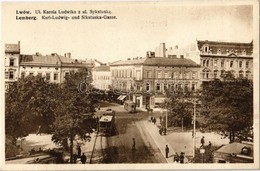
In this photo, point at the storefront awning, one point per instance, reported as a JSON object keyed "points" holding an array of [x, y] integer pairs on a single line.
{"points": [[159, 100], [119, 97], [122, 97]]}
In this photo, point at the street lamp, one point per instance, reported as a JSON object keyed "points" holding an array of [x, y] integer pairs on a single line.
{"points": [[194, 126]]}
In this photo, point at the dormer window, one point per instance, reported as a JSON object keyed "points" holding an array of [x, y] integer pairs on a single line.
{"points": [[244, 52], [219, 51], [206, 48]]}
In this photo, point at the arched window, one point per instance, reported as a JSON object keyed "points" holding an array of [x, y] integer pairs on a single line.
{"points": [[222, 63], [247, 64], [240, 64], [231, 64], [241, 74]]}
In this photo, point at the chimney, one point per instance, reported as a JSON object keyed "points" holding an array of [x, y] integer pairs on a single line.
{"points": [[182, 56], [128, 59], [37, 54], [176, 47], [162, 50]]}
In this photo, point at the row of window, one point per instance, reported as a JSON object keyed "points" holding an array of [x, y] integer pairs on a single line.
{"points": [[206, 48], [46, 75], [160, 87], [101, 77], [205, 74], [205, 63], [122, 73], [176, 75]]}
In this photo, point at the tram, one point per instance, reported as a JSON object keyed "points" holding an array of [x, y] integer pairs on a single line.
{"points": [[130, 106], [107, 124]]}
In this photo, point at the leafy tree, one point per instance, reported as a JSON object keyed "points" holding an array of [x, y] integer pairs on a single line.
{"points": [[228, 105], [74, 115], [179, 109], [29, 103]]}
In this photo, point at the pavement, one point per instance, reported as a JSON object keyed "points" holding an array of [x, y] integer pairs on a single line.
{"points": [[161, 141], [180, 141], [44, 142]]}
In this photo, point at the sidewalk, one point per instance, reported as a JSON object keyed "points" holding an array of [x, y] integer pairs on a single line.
{"points": [[87, 148], [160, 141]]}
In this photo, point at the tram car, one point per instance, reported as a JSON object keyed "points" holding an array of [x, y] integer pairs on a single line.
{"points": [[107, 123], [130, 106]]}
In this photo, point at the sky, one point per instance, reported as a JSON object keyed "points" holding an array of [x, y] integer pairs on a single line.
{"points": [[139, 27]]}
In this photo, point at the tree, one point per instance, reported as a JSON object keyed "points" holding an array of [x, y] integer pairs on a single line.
{"points": [[74, 115], [228, 105], [29, 103], [179, 109]]}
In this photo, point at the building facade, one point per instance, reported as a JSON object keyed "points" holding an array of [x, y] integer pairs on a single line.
{"points": [[12, 60], [216, 58], [101, 77], [53, 67], [146, 80]]}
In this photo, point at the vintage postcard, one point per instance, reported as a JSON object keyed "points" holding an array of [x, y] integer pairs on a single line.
{"points": [[130, 85]]}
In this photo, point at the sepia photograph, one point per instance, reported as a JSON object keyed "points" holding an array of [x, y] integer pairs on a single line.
{"points": [[130, 85]]}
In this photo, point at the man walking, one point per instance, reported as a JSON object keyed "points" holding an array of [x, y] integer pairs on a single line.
{"points": [[202, 141], [166, 151], [133, 147], [83, 158]]}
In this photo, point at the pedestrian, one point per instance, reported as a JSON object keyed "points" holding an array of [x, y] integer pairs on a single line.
{"points": [[176, 158], [202, 141], [164, 130], [133, 147], [210, 144], [79, 151], [166, 151], [151, 119], [154, 120], [160, 119], [160, 131], [182, 157], [75, 156], [83, 158]]}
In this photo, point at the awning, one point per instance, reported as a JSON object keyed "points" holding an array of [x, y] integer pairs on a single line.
{"points": [[159, 100], [122, 97], [119, 97]]}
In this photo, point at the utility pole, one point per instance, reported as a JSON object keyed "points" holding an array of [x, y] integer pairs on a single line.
{"points": [[194, 129]]}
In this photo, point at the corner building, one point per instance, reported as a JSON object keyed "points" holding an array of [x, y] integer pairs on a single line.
{"points": [[216, 58], [145, 81]]}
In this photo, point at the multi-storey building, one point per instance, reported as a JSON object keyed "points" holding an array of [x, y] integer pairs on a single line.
{"points": [[146, 80], [216, 58], [53, 67], [101, 77], [12, 59]]}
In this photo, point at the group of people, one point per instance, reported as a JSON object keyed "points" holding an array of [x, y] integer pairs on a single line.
{"points": [[153, 119], [176, 158], [83, 157], [202, 141], [162, 131]]}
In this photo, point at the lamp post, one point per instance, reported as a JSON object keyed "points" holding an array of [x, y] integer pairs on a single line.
{"points": [[194, 128]]}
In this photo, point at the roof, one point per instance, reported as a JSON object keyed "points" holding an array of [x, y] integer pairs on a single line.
{"points": [[129, 62], [39, 60], [106, 118], [238, 47], [101, 68], [15, 48], [158, 61], [51, 60], [234, 148]]}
